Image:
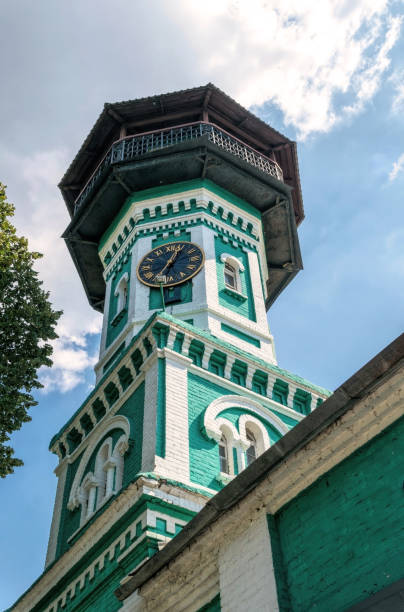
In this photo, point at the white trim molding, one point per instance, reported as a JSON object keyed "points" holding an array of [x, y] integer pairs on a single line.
{"points": [[234, 261], [121, 292], [212, 425]]}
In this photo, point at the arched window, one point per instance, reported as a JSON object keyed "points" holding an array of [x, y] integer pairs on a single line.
{"points": [[100, 473], [224, 455], [252, 449], [88, 496], [230, 276], [99, 449], [232, 268], [121, 292], [107, 478]]}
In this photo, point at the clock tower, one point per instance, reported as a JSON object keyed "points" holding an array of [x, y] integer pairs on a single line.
{"points": [[184, 209]]}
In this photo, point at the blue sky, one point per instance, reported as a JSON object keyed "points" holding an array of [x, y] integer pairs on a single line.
{"points": [[330, 75]]}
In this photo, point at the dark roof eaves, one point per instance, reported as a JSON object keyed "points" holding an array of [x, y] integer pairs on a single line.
{"points": [[117, 105]]}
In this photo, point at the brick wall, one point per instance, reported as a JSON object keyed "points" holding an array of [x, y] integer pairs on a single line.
{"points": [[343, 538], [245, 570]]}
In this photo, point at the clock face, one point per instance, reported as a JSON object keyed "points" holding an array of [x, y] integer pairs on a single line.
{"points": [[170, 264]]}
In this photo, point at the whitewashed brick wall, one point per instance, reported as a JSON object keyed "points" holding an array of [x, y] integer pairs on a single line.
{"points": [[246, 571], [176, 462], [150, 412]]}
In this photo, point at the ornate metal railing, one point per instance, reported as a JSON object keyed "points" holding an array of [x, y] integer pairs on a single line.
{"points": [[131, 147]]}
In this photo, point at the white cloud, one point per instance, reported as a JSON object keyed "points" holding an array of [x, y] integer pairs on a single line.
{"points": [[368, 81], [317, 62], [41, 216], [397, 79], [299, 55], [398, 167], [70, 363]]}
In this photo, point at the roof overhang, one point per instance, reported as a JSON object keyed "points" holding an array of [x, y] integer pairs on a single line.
{"points": [[207, 103]]}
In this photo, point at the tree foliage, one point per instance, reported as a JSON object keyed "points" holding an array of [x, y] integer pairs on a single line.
{"points": [[27, 323]]}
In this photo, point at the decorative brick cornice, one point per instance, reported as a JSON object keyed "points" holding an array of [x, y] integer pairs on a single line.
{"points": [[158, 331], [179, 207]]}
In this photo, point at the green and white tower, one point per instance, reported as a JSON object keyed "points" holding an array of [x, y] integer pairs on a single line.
{"points": [[184, 210]]}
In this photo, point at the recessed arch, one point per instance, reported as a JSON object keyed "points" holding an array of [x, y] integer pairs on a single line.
{"points": [[115, 422], [212, 423]]}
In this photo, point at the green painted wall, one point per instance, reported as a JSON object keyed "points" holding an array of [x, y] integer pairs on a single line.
{"points": [[69, 521], [203, 452], [243, 308], [113, 331], [241, 335], [98, 592], [161, 409], [286, 419], [212, 606], [342, 539], [133, 409]]}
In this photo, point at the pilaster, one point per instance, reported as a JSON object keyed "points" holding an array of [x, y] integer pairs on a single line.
{"points": [[150, 413], [60, 472], [175, 464]]}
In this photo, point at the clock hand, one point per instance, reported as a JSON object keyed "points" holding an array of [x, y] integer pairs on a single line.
{"points": [[171, 260]]}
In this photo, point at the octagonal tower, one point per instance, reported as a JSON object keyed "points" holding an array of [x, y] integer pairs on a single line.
{"points": [[184, 208]]}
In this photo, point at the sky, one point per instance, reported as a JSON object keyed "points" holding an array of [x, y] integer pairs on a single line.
{"points": [[328, 74]]}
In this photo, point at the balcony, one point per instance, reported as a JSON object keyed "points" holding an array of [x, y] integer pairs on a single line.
{"points": [[135, 147]]}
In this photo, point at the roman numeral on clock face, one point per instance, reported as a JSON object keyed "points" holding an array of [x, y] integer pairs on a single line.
{"points": [[170, 264]]}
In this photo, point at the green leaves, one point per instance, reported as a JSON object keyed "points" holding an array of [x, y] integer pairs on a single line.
{"points": [[27, 323]]}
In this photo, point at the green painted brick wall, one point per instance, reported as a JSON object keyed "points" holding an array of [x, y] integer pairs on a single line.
{"points": [[133, 409], [203, 453], [342, 539], [161, 409], [212, 606], [98, 592], [69, 521], [286, 419]]}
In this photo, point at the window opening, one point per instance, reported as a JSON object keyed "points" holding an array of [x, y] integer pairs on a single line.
{"points": [[223, 456], [230, 276], [252, 449], [172, 295], [121, 293]]}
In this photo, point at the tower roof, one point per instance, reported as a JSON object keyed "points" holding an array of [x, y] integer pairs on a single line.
{"points": [[179, 107]]}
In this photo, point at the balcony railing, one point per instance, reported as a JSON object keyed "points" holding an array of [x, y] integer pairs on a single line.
{"points": [[132, 147]]}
